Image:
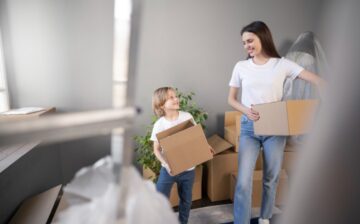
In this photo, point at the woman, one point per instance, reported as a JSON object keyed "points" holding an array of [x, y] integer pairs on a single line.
{"points": [[261, 79]]}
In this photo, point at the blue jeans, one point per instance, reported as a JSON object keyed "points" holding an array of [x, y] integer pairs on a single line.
{"points": [[184, 181], [249, 149]]}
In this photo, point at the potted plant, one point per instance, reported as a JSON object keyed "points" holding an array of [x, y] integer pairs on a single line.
{"points": [[144, 146]]}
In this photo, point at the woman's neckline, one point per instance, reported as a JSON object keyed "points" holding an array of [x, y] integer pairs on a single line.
{"points": [[267, 63]]}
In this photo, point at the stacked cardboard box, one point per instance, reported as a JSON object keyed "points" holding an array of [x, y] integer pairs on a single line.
{"points": [[225, 159], [218, 170], [174, 198], [224, 162], [257, 188], [232, 128]]}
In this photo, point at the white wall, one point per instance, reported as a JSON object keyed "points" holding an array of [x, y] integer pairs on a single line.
{"points": [[58, 53], [193, 45]]}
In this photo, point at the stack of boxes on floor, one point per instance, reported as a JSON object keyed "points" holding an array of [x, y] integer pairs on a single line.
{"points": [[222, 169], [283, 118]]}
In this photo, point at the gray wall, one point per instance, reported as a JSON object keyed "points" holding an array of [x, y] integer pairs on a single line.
{"points": [[193, 45], [57, 53]]}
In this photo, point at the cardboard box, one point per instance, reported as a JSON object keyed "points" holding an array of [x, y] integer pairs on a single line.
{"points": [[174, 197], [232, 127], [219, 144], [231, 136], [184, 146], [290, 117], [219, 169], [38, 208], [257, 188], [196, 191]]}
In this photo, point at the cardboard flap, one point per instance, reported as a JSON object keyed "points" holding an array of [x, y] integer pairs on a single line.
{"points": [[273, 119], [300, 115], [219, 144], [175, 129]]}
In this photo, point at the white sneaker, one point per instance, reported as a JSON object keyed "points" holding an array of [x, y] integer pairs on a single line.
{"points": [[264, 221]]}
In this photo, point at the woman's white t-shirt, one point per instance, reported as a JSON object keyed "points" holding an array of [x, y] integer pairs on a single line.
{"points": [[162, 124], [263, 83]]}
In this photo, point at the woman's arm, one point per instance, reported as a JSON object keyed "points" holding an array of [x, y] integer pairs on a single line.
{"points": [[312, 78], [232, 100]]}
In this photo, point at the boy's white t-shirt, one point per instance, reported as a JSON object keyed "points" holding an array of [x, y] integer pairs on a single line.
{"points": [[162, 124], [263, 83]]}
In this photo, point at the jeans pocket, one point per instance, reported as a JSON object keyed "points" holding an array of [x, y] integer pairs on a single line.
{"points": [[244, 119]]}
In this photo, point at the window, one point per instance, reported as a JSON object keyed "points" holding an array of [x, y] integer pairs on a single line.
{"points": [[4, 95]]}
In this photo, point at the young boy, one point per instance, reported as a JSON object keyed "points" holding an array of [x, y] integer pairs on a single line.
{"points": [[166, 107]]}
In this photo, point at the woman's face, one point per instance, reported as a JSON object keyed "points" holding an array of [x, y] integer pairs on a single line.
{"points": [[252, 44]]}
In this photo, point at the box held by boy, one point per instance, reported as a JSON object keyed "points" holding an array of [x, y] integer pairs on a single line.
{"points": [[184, 146]]}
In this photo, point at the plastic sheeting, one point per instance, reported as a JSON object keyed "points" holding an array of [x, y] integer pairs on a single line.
{"points": [[94, 198], [307, 52]]}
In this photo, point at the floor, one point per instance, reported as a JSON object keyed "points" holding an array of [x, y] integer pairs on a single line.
{"points": [[205, 212]]}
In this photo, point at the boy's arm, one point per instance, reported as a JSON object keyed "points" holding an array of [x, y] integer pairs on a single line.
{"points": [[157, 152]]}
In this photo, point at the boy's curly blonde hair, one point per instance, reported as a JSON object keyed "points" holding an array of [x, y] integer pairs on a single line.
{"points": [[159, 98]]}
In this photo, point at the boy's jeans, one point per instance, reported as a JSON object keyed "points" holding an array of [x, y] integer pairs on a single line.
{"points": [[249, 149], [184, 183]]}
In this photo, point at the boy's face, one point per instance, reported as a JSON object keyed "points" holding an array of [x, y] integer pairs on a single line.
{"points": [[172, 102]]}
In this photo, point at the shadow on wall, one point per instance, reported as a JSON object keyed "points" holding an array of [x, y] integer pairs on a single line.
{"points": [[220, 124]]}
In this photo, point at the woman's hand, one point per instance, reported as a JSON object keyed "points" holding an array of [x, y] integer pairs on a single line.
{"points": [[252, 114]]}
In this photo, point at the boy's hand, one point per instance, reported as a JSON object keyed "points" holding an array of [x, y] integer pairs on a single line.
{"points": [[167, 168]]}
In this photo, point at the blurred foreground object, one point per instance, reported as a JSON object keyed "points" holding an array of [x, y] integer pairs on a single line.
{"points": [[326, 187], [90, 198]]}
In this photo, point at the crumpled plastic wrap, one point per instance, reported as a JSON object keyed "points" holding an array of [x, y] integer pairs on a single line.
{"points": [[94, 198], [307, 52]]}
